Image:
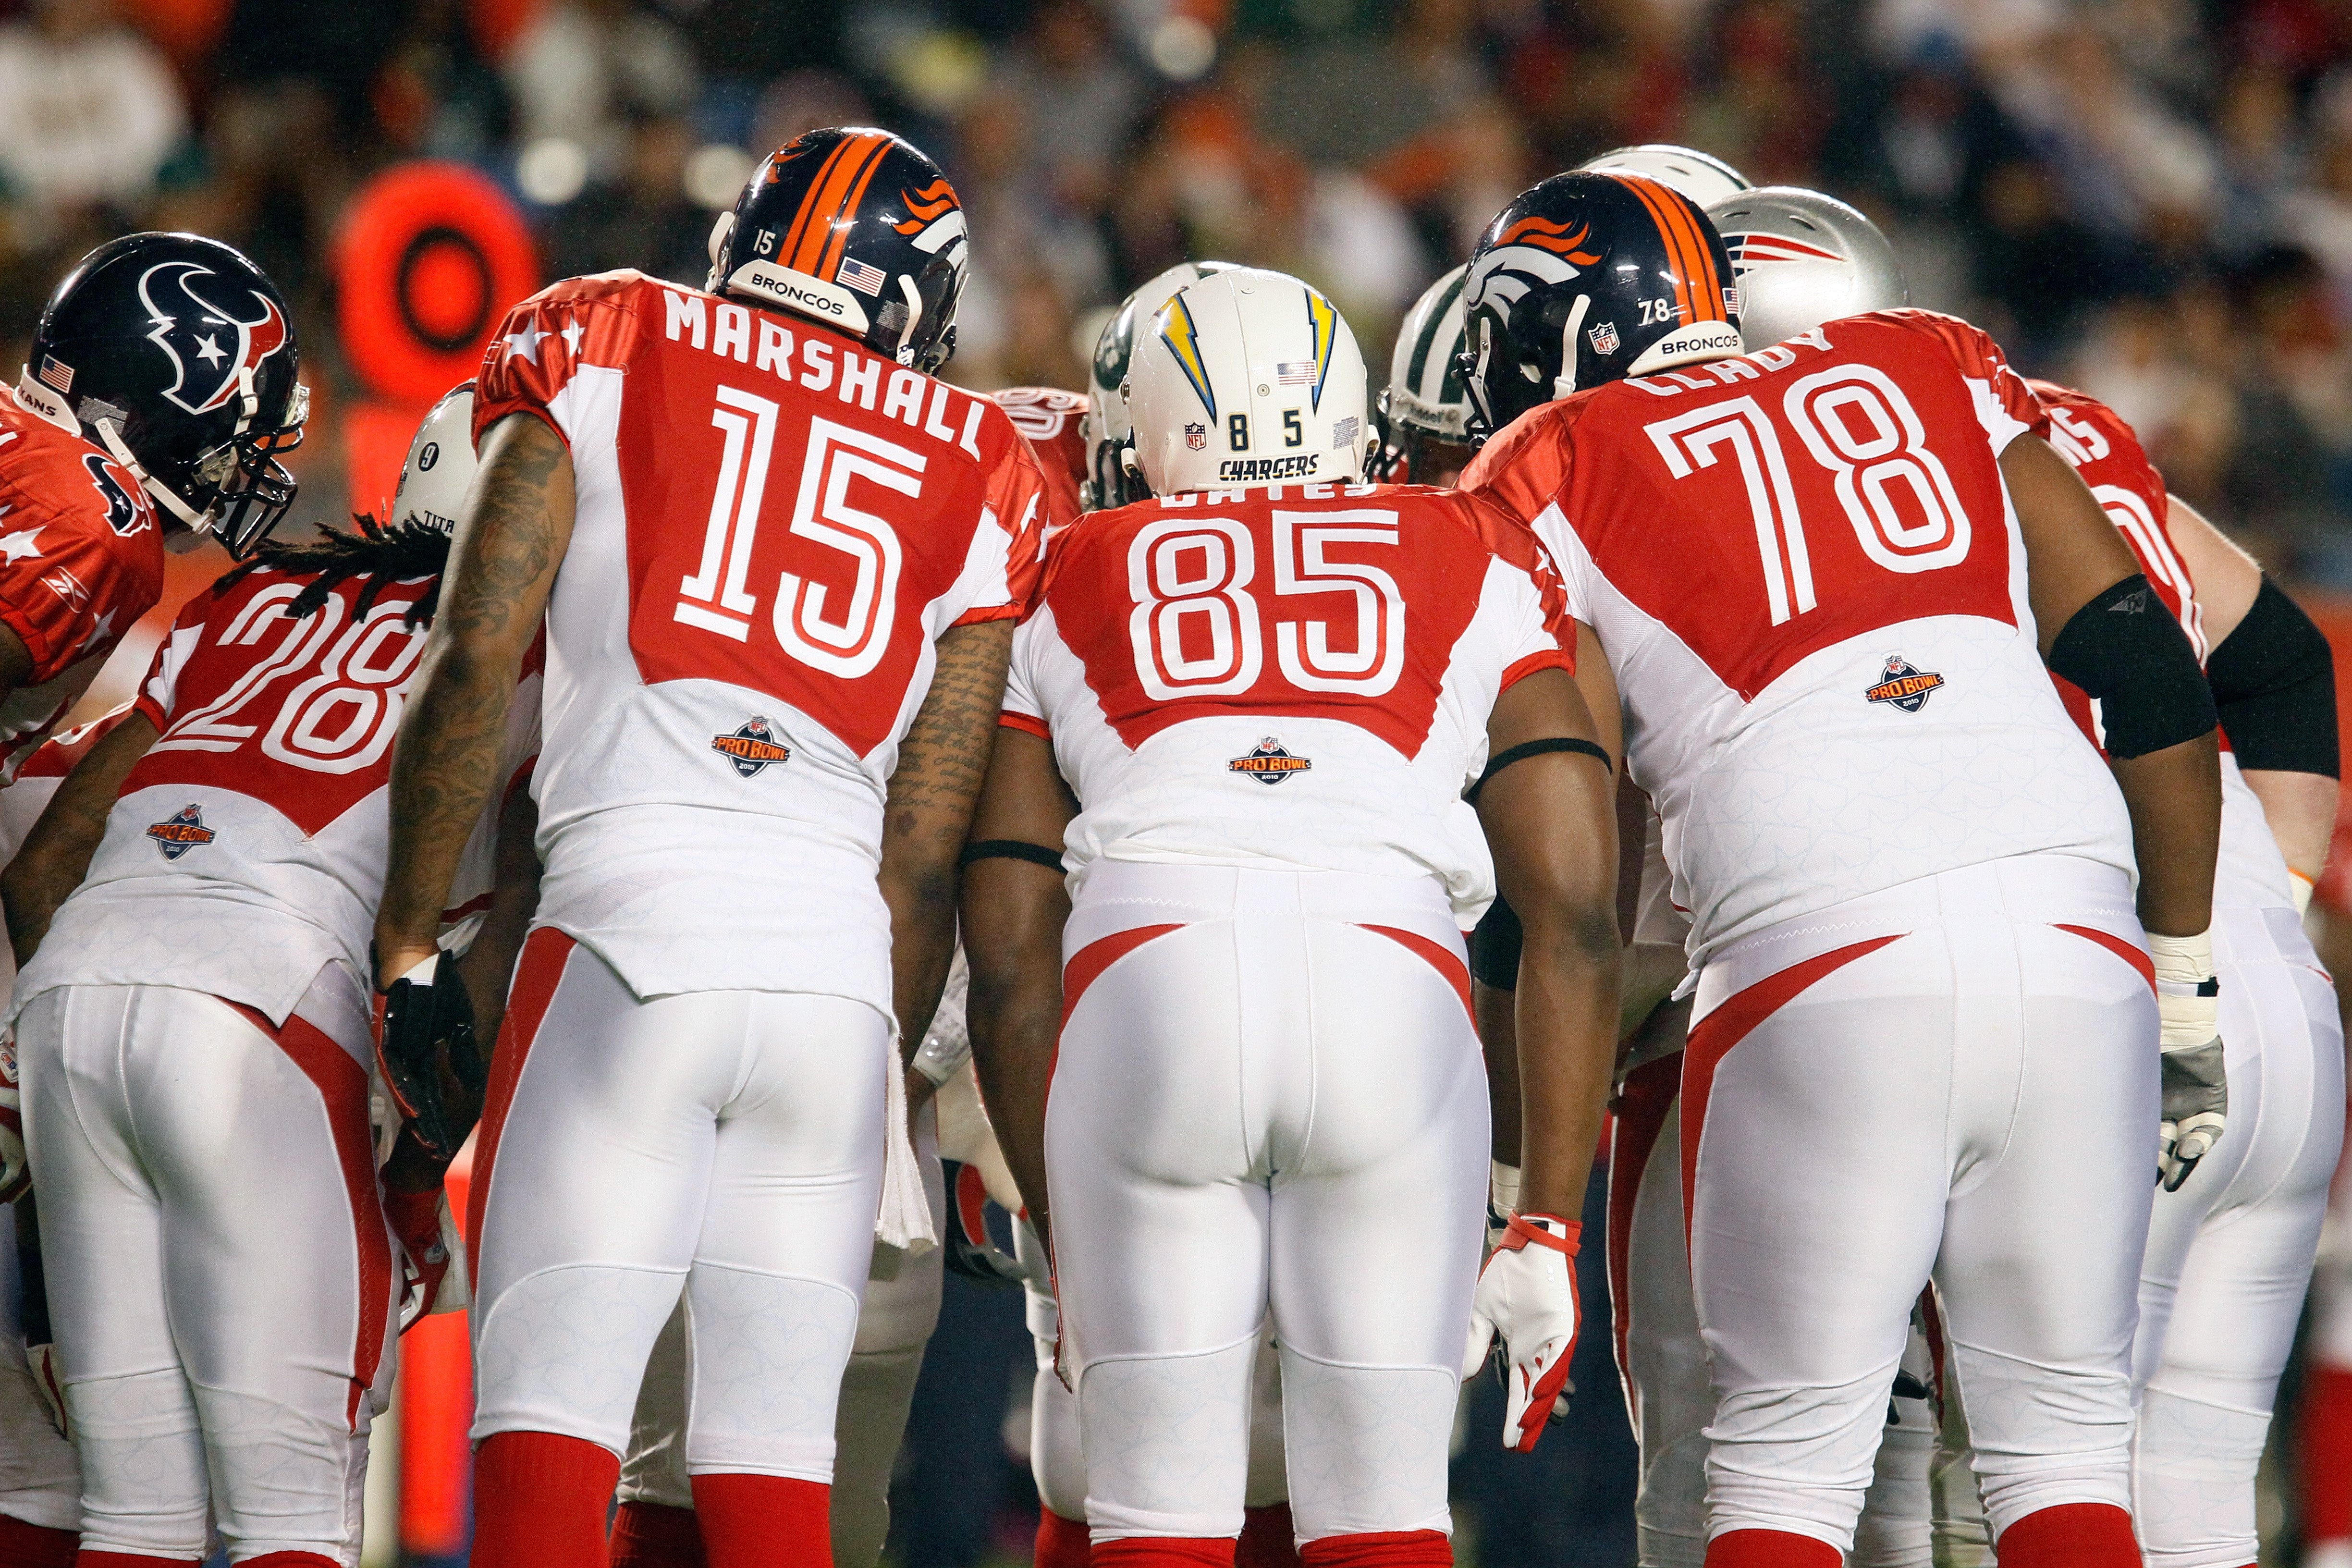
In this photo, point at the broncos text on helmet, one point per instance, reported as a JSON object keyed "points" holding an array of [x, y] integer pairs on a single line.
{"points": [[1586, 279], [854, 228]]}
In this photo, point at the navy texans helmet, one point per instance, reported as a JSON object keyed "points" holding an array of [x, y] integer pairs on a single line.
{"points": [[1584, 279], [854, 228], [175, 353]]}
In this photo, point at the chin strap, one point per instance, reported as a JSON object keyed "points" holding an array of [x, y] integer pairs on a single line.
{"points": [[112, 436], [1564, 384]]}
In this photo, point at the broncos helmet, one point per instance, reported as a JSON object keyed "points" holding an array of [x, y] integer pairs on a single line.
{"points": [[175, 353], [1585, 280], [1802, 259], [1703, 177], [1425, 408], [857, 229], [1109, 428]]}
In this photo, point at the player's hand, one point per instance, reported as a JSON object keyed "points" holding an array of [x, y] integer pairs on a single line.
{"points": [[421, 1014], [1527, 1298], [972, 1251], [2195, 1089], [421, 1223], [16, 1174]]}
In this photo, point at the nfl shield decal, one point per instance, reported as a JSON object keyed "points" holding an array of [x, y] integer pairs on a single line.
{"points": [[1196, 436]]}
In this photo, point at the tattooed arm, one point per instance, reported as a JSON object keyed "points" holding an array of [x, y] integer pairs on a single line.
{"points": [[512, 529], [941, 765], [56, 855]]}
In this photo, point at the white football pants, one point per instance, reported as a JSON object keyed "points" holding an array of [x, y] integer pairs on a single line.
{"points": [[1268, 1098], [894, 1320], [1954, 1079], [40, 1479], [2229, 1255], [725, 1143], [220, 1276]]}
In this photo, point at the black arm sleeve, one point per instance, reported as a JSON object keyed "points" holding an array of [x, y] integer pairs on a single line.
{"points": [[2275, 685], [2129, 654], [1495, 947]]}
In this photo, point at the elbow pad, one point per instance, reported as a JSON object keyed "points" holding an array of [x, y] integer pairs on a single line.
{"points": [[1495, 947], [2128, 654], [2273, 681]]}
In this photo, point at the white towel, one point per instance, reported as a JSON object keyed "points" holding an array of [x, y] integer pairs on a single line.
{"points": [[904, 1221]]}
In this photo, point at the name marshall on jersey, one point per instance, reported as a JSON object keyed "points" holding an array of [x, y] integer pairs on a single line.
{"points": [[722, 328]]}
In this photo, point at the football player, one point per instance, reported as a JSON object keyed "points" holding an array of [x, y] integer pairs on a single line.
{"points": [[162, 386], [1242, 719], [1922, 980], [779, 564], [1424, 412], [654, 1527], [221, 1279], [1108, 430]]}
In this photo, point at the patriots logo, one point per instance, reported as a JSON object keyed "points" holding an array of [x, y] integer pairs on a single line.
{"points": [[182, 831], [209, 344], [1750, 250], [123, 514]]}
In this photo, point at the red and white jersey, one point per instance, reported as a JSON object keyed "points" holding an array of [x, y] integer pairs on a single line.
{"points": [[774, 527], [246, 849], [1805, 570], [81, 560], [1049, 420], [2249, 873], [1291, 676], [37, 777]]}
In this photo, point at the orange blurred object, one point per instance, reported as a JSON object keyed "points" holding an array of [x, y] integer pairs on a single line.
{"points": [[497, 24], [429, 256], [436, 1409], [187, 30]]}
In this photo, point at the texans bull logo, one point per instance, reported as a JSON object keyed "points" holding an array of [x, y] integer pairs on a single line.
{"points": [[209, 345], [123, 513]]}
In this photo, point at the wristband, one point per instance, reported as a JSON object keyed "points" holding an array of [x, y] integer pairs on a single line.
{"points": [[1010, 849], [2188, 995], [1502, 1186], [1547, 1230]]}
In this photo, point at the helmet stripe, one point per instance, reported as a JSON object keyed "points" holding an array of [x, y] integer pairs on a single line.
{"points": [[1417, 368], [1654, 198], [1706, 284], [860, 178], [788, 253], [1320, 321], [812, 230]]}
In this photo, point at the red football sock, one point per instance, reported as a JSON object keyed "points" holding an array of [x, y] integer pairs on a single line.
{"points": [[2070, 1535], [132, 1559], [1380, 1549], [656, 1535], [1268, 1538], [1770, 1549], [26, 1545], [2325, 1434], [1165, 1551], [764, 1521], [1062, 1542], [291, 1560], [540, 1501]]}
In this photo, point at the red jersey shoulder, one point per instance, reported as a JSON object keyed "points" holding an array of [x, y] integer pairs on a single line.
{"points": [[56, 756], [1051, 420], [592, 319], [81, 556], [2097, 440], [1976, 355]]}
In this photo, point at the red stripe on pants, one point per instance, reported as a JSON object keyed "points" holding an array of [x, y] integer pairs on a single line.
{"points": [[1712, 1038], [1440, 958], [537, 973], [342, 1085], [1640, 1117]]}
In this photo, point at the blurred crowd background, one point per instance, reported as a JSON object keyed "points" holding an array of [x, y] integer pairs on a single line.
{"points": [[2151, 199]]}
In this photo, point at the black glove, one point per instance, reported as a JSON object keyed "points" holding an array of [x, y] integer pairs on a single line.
{"points": [[422, 1013]]}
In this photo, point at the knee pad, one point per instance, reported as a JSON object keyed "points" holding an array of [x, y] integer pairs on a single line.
{"points": [[1167, 1444], [2193, 1482], [145, 1489], [768, 1351], [1366, 1446], [563, 1350]]}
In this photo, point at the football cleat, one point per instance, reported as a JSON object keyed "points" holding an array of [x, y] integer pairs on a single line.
{"points": [[854, 229], [1799, 258], [1583, 280], [175, 353]]}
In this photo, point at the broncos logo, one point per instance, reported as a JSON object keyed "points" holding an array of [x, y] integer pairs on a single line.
{"points": [[1506, 273], [208, 345], [123, 513]]}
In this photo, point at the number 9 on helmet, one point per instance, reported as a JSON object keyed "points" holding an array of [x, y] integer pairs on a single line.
{"points": [[1244, 378]]}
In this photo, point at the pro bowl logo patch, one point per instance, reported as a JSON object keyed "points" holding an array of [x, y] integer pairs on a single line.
{"points": [[1196, 436], [1269, 763], [182, 831], [753, 746], [1903, 686]]}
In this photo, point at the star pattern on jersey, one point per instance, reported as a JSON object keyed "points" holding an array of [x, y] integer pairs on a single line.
{"points": [[22, 545], [571, 333], [211, 352], [524, 345], [100, 629]]}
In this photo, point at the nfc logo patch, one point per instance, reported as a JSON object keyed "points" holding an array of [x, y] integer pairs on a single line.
{"points": [[182, 831]]}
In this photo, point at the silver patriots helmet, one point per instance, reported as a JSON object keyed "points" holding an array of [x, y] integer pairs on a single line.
{"points": [[1799, 258]]}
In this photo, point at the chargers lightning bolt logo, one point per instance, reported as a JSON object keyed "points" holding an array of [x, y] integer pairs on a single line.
{"points": [[1183, 340]]}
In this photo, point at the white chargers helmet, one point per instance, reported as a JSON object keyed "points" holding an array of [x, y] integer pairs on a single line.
{"points": [[1703, 177], [1425, 406], [1247, 378], [1802, 259], [440, 464], [1107, 428]]}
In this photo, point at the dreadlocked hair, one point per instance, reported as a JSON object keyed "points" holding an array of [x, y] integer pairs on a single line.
{"points": [[385, 553]]}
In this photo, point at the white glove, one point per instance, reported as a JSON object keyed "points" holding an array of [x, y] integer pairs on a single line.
{"points": [[2195, 1089], [16, 1174], [947, 1044], [1526, 1297]]}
